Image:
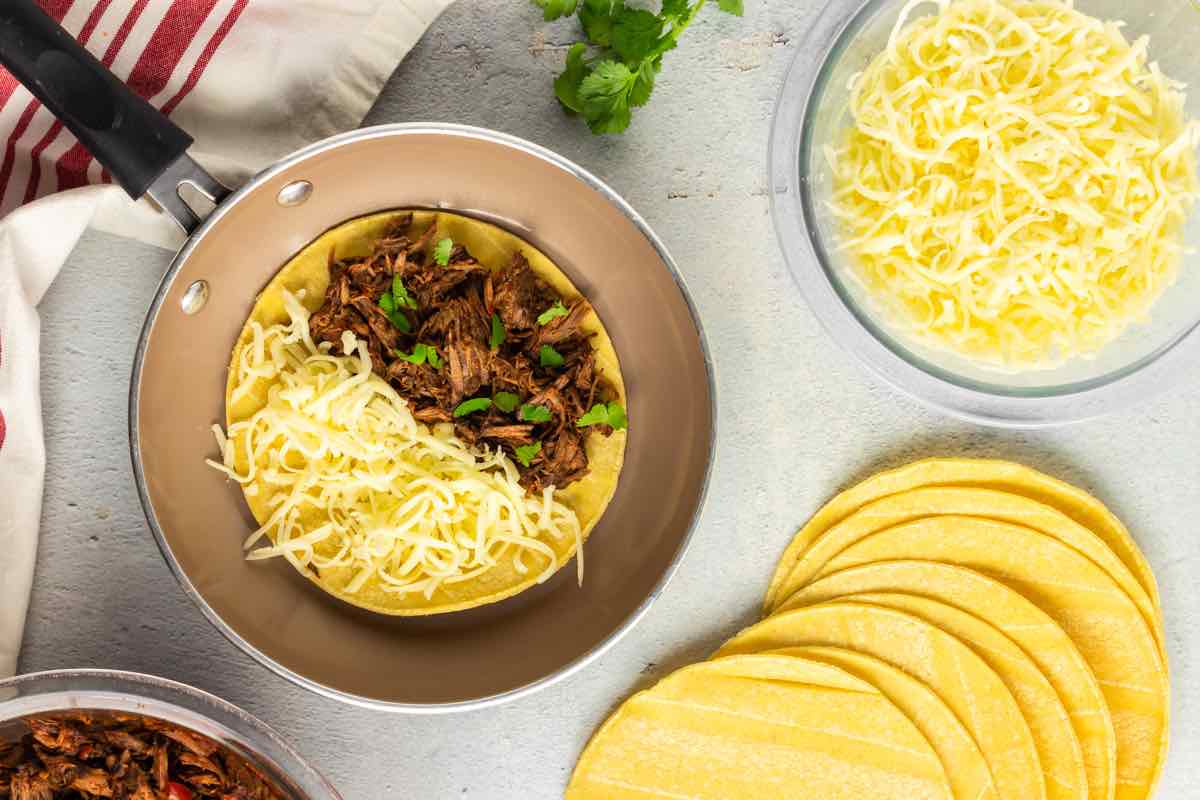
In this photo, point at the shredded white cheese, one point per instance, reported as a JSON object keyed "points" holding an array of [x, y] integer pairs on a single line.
{"points": [[1015, 181], [353, 480]]}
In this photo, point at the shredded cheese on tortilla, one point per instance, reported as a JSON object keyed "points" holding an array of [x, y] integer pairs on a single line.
{"points": [[1015, 181], [353, 480]]}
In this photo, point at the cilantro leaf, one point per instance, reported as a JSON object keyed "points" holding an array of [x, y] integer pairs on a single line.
{"points": [[734, 7], [387, 303], [604, 97], [635, 34], [554, 9], [597, 416], [417, 356], [498, 334], [421, 354], [675, 9], [617, 122], [643, 83], [611, 414], [556, 310], [472, 405], [597, 18], [441, 253], [505, 401], [616, 416], [566, 85], [549, 357], [400, 296], [526, 453], [532, 413], [400, 321]]}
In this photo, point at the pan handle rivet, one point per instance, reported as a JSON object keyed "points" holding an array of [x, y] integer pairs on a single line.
{"points": [[194, 297], [294, 193]]}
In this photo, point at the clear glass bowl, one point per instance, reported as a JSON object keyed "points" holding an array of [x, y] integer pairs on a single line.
{"points": [[811, 112], [104, 690]]}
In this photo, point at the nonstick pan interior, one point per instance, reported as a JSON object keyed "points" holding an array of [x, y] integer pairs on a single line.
{"points": [[449, 661]]}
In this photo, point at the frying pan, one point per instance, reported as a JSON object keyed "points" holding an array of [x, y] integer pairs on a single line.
{"points": [[448, 662]]}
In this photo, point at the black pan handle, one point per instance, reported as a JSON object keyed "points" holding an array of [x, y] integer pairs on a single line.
{"points": [[127, 135]]}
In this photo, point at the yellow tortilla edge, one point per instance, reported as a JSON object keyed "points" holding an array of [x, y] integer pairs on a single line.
{"points": [[1049, 724], [998, 474], [980, 585], [1157, 657], [764, 666], [870, 669], [845, 611], [983, 503]]}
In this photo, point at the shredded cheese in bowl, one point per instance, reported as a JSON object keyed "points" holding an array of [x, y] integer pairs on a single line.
{"points": [[1015, 182], [347, 478]]}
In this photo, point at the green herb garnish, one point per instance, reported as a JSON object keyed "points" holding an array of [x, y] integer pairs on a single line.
{"points": [[498, 334], [556, 310], [532, 413], [549, 357], [400, 296], [526, 452], [505, 401], [421, 354], [473, 405], [553, 9], [626, 47], [611, 414], [400, 321], [441, 252], [387, 304]]}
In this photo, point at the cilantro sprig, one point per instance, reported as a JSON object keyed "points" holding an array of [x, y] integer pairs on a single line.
{"points": [[442, 250], [400, 295], [549, 357], [612, 414], [472, 406], [421, 354], [498, 334], [614, 71], [551, 313], [527, 452], [506, 401], [387, 304], [534, 413]]}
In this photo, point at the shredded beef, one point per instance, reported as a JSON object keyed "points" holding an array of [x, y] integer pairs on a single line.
{"points": [[518, 296], [457, 307], [85, 755]]}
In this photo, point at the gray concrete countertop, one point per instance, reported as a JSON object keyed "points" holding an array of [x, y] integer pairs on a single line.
{"points": [[798, 419]]}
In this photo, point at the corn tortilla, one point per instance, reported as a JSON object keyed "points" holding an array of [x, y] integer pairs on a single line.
{"points": [[966, 769], [1079, 596], [995, 474], [1043, 640], [493, 247], [927, 501], [974, 692], [759, 727]]}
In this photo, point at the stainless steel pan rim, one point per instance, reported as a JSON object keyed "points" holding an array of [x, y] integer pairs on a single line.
{"points": [[446, 129]]}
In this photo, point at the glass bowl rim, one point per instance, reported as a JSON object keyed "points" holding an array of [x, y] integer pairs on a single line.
{"points": [[55, 690], [820, 42]]}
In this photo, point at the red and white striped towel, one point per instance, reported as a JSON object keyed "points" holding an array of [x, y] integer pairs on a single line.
{"points": [[251, 80]]}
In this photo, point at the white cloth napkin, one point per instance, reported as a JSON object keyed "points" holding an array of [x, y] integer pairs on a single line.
{"points": [[250, 80]]}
